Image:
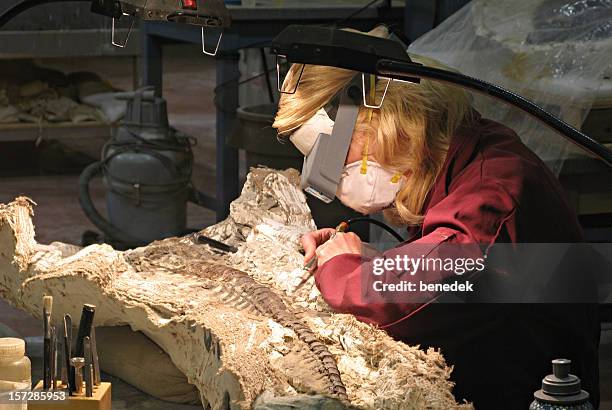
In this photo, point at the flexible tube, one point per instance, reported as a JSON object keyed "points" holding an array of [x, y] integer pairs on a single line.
{"points": [[376, 222], [92, 213]]}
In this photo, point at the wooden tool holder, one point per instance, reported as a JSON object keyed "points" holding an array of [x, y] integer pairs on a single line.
{"points": [[101, 399]]}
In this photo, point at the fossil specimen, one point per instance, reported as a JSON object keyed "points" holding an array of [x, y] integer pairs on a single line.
{"points": [[234, 324]]}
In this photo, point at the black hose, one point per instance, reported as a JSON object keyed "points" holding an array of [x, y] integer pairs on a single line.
{"points": [[19, 8], [378, 223], [92, 213], [402, 70]]}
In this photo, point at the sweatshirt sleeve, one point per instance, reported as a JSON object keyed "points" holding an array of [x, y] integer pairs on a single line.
{"points": [[459, 226]]}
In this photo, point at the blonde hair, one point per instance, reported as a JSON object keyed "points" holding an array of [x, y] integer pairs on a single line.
{"points": [[414, 125]]}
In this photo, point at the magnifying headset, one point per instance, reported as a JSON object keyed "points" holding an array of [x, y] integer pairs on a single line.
{"points": [[324, 164], [377, 59]]}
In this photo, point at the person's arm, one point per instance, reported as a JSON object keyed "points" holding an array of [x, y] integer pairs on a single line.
{"points": [[473, 214]]}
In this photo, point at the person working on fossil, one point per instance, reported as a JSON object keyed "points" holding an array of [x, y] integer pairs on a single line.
{"points": [[429, 161]]}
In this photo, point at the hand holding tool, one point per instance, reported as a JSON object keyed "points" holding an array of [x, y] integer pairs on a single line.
{"points": [[308, 267]]}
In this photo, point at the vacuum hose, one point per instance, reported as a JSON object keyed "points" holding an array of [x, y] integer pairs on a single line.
{"points": [[92, 213], [381, 224]]}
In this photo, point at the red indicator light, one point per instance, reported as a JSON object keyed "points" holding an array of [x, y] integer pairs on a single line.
{"points": [[190, 4]]}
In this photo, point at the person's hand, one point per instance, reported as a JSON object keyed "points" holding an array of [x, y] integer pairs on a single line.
{"points": [[311, 241], [318, 243], [340, 244]]}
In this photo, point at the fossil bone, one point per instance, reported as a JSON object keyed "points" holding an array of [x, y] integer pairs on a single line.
{"points": [[234, 324]]}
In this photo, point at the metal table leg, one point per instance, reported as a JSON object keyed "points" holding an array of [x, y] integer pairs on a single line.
{"points": [[151, 58], [227, 103]]}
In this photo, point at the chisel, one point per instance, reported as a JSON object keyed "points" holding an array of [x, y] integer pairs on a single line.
{"points": [[87, 316], [53, 358], [67, 349], [216, 244], [87, 369], [61, 361], [47, 308], [94, 358]]}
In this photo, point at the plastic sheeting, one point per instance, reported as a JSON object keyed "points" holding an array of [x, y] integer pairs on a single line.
{"points": [[555, 53]]}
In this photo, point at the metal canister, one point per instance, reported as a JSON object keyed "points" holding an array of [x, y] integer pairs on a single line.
{"points": [[147, 169], [561, 390]]}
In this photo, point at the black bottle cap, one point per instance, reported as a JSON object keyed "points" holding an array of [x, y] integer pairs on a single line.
{"points": [[561, 386], [561, 381]]}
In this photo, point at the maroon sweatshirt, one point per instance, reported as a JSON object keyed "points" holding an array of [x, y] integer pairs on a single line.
{"points": [[492, 189]]}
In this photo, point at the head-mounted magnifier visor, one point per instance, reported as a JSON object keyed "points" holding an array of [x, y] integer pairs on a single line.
{"points": [[325, 153], [325, 161], [323, 166]]}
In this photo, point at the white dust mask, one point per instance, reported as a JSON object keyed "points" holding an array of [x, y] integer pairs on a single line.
{"points": [[368, 187], [305, 137]]}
